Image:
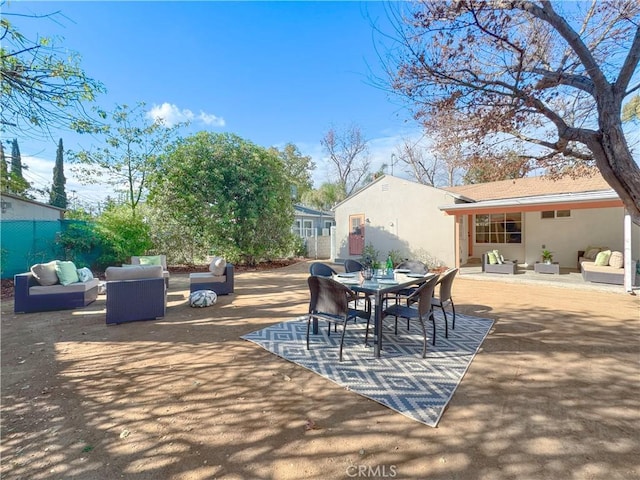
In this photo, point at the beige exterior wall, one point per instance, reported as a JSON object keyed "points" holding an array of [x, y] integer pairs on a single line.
{"points": [[565, 236], [400, 215], [18, 209]]}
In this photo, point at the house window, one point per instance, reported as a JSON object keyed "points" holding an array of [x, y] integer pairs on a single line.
{"points": [[499, 228], [555, 214], [307, 228]]}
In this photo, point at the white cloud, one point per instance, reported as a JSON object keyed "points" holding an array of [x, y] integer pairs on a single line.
{"points": [[171, 114], [210, 119], [39, 173]]}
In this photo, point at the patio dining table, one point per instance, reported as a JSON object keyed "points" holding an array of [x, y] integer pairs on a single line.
{"points": [[378, 287]]}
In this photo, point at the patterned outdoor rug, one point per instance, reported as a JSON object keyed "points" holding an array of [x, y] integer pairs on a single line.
{"points": [[400, 379]]}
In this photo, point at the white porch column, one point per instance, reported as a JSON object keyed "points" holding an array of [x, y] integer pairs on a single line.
{"points": [[629, 266]]}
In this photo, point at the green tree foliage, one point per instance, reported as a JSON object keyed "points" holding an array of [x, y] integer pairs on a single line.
{"points": [[122, 234], [133, 144], [228, 193], [326, 196], [4, 171], [17, 183], [298, 169], [42, 86], [58, 194]]}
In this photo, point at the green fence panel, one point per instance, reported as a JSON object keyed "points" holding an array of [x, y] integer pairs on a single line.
{"points": [[25, 242]]}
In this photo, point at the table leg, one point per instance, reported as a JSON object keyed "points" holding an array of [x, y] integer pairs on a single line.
{"points": [[377, 327]]}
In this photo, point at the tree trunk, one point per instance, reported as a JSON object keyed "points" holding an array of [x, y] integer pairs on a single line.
{"points": [[617, 166]]}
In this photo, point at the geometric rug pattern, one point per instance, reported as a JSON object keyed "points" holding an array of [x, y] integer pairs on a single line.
{"points": [[400, 379]]}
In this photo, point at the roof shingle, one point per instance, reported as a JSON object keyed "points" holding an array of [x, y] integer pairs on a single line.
{"points": [[529, 186]]}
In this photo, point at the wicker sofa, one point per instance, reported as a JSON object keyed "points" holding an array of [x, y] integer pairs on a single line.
{"points": [[611, 274], [30, 296]]}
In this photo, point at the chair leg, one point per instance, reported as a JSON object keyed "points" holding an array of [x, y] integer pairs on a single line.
{"points": [[344, 330], [453, 308], [446, 322], [433, 320], [308, 328], [424, 338]]}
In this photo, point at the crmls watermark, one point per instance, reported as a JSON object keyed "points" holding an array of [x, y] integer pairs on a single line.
{"points": [[375, 471]]}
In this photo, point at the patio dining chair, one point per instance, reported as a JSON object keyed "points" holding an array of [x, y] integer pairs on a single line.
{"points": [[423, 311], [444, 298], [319, 269], [352, 266], [329, 300]]}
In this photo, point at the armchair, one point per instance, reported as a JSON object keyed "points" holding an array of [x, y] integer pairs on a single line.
{"points": [[221, 284], [508, 266], [135, 293]]}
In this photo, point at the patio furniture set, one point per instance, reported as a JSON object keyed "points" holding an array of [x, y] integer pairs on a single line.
{"points": [[136, 291], [405, 293]]}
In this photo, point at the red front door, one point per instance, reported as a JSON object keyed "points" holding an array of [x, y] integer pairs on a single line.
{"points": [[356, 234]]}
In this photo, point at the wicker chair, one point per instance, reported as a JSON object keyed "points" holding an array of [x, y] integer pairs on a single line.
{"points": [[444, 298], [351, 266], [319, 269], [135, 293], [424, 309], [329, 300]]}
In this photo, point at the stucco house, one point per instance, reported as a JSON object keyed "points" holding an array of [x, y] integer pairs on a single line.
{"points": [[393, 213], [449, 226]]}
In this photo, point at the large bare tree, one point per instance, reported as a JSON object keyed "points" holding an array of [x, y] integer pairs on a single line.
{"points": [[348, 154], [554, 74]]}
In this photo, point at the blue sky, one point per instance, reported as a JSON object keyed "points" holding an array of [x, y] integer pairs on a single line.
{"points": [[271, 72]]}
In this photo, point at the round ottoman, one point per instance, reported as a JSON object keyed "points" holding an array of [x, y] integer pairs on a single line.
{"points": [[202, 298]]}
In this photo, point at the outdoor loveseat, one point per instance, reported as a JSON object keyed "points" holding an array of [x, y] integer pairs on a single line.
{"points": [[612, 273], [30, 296]]}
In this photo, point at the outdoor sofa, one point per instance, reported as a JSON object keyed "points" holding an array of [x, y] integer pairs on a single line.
{"points": [[612, 273], [30, 296]]}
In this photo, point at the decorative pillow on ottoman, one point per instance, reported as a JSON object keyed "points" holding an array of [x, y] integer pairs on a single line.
{"points": [[202, 298], [218, 266]]}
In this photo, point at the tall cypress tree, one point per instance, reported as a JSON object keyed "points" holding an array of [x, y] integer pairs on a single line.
{"points": [[58, 196], [4, 171], [17, 182]]}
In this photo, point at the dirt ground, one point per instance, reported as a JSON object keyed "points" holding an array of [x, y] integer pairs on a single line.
{"points": [[554, 393]]}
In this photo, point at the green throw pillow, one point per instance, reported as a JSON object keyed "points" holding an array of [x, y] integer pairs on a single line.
{"points": [[492, 258], [67, 272], [602, 259], [151, 260]]}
